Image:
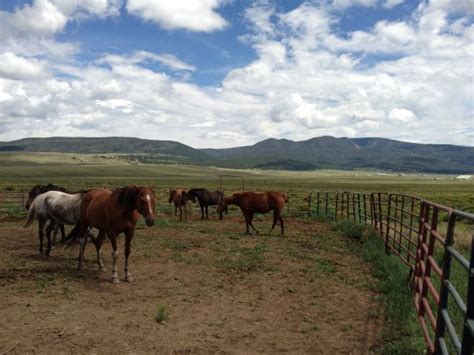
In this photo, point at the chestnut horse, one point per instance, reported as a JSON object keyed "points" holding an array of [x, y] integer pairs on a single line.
{"points": [[254, 202], [113, 213], [179, 197]]}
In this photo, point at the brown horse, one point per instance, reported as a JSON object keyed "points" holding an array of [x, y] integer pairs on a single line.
{"points": [[113, 213], [179, 197], [253, 202]]}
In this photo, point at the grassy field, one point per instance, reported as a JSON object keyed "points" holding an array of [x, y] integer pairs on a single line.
{"points": [[99, 170], [180, 244]]}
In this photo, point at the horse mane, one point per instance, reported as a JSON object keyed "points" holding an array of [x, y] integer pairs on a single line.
{"points": [[126, 197]]}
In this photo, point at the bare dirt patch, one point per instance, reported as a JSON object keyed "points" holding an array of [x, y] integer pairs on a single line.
{"points": [[223, 292]]}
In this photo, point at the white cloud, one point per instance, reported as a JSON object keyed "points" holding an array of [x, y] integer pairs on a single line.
{"points": [[180, 14], [388, 4], [408, 80], [143, 56], [20, 68]]}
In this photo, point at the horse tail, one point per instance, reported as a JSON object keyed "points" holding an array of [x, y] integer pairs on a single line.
{"points": [[31, 214], [170, 199]]}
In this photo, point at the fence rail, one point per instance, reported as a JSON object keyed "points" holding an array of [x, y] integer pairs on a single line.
{"points": [[419, 232]]}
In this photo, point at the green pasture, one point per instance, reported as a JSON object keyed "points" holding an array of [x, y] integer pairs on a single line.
{"points": [[89, 170]]}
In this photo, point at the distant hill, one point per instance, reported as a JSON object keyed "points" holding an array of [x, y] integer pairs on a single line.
{"points": [[349, 153], [317, 153], [148, 151]]}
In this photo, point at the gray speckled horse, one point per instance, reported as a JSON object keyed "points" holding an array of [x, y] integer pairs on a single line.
{"points": [[59, 208]]}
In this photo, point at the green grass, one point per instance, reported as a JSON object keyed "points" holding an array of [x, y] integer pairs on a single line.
{"points": [[162, 314], [402, 334]]}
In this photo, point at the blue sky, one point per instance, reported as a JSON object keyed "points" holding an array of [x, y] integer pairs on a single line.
{"points": [[215, 73]]}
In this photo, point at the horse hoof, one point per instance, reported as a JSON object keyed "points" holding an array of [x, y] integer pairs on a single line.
{"points": [[115, 280], [102, 268], [79, 267], [129, 278]]}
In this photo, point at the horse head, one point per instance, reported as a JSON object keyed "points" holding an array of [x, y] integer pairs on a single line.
{"points": [[190, 196], [141, 199], [222, 207], [35, 191]]}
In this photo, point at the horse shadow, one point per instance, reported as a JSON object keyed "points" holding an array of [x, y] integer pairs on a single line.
{"points": [[58, 266]]}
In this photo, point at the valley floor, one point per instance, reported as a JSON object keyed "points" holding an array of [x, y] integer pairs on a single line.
{"points": [[212, 289]]}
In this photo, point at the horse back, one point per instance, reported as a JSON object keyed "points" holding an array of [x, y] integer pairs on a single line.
{"points": [[94, 205], [262, 202]]}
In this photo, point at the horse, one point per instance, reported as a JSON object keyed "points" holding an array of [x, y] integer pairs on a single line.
{"points": [[179, 197], [253, 202], [206, 198], [58, 207], [112, 213], [38, 190]]}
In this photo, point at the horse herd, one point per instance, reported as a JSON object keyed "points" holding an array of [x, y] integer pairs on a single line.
{"points": [[117, 211]]}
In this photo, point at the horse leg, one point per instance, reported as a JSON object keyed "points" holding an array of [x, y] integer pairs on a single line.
{"points": [[41, 224], [113, 241], [98, 247], [180, 213], [281, 225], [248, 220], [250, 223], [63, 233], [185, 212], [202, 211], [49, 229], [175, 210], [82, 247], [207, 212], [276, 216], [128, 241]]}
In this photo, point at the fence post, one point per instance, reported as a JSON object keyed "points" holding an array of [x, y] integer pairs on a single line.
{"points": [[309, 203], [353, 207], [387, 230], [317, 204], [467, 338], [342, 205], [444, 293], [326, 207]]}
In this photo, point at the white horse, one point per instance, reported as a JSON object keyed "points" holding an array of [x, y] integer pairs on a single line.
{"points": [[59, 208]]}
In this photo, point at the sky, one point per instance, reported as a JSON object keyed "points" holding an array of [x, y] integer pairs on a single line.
{"points": [[225, 73]]}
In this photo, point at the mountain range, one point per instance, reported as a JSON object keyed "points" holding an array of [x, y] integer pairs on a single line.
{"points": [[324, 152]]}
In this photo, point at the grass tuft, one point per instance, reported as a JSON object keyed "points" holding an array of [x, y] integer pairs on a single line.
{"points": [[162, 314]]}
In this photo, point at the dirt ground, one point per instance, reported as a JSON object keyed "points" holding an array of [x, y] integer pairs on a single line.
{"points": [[200, 287]]}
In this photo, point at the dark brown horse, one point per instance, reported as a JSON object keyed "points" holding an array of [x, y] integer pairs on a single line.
{"points": [[38, 190], [179, 197], [253, 202], [113, 213], [206, 198]]}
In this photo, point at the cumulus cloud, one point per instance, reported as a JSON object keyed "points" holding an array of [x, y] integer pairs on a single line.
{"points": [[20, 68], [180, 14], [409, 80]]}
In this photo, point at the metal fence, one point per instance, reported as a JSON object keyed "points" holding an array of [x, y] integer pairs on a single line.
{"points": [[421, 233]]}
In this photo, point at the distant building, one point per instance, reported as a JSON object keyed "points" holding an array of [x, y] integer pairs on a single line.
{"points": [[464, 177]]}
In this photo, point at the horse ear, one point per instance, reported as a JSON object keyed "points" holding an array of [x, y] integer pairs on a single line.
{"points": [[127, 197]]}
